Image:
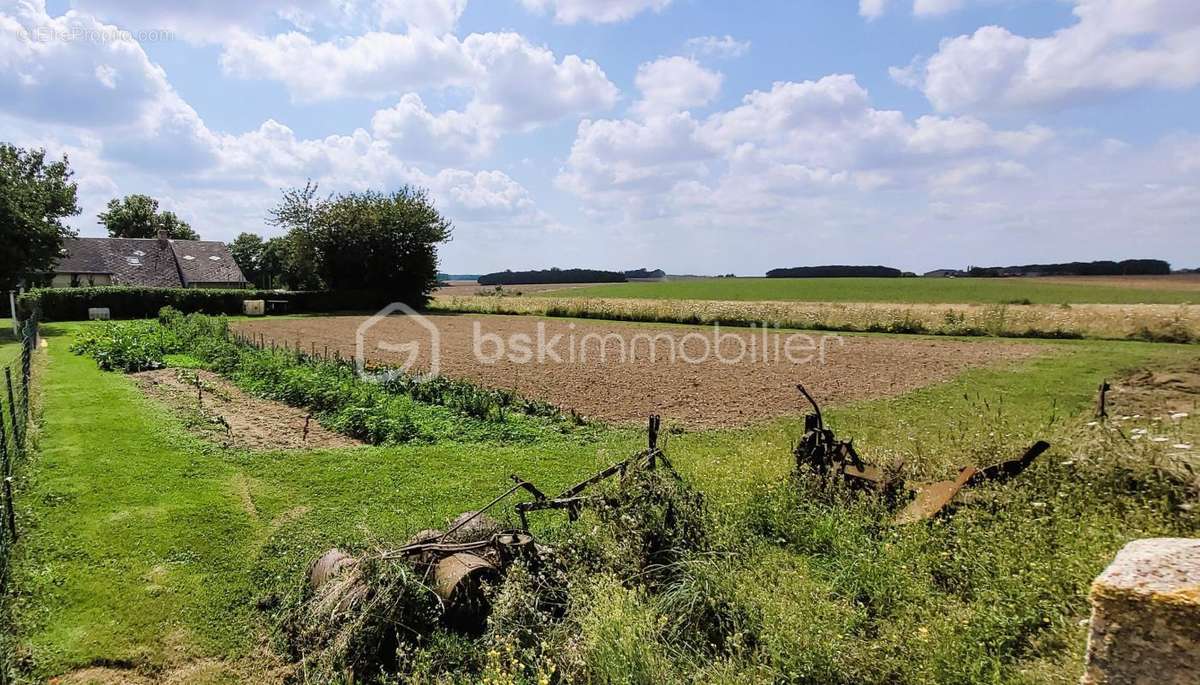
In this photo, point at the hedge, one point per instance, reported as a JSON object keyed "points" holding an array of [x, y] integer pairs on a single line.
{"points": [[72, 304]]}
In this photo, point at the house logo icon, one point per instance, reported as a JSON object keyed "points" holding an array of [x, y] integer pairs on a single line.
{"points": [[426, 336]]}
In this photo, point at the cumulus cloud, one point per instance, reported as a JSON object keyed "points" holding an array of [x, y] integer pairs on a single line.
{"points": [[371, 65], [212, 20], [127, 130], [672, 84], [520, 85], [717, 46], [872, 9], [516, 85], [596, 11], [75, 70], [1114, 46], [925, 8], [817, 135], [416, 133]]}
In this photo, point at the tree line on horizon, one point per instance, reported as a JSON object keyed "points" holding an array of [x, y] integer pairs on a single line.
{"points": [[1126, 267]]}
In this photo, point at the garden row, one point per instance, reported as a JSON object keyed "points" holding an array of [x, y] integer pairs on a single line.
{"points": [[391, 408]]}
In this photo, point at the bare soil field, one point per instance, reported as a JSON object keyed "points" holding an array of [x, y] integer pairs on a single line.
{"points": [[592, 379], [234, 418]]}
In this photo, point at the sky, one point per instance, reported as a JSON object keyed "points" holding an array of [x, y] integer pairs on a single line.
{"points": [[697, 136]]}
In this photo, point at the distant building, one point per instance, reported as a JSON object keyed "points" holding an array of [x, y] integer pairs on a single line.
{"points": [[149, 262], [944, 273]]}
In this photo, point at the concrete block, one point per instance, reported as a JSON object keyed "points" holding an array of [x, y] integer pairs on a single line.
{"points": [[1145, 624], [254, 307]]}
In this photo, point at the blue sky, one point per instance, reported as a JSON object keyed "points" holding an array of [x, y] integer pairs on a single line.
{"points": [[700, 137]]}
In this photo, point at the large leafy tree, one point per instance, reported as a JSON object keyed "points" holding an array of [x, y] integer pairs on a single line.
{"points": [[386, 243], [274, 263], [35, 196], [247, 251], [137, 216]]}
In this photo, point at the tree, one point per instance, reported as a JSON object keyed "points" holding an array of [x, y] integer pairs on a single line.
{"points": [[366, 241], [247, 251], [284, 264], [137, 216], [34, 199]]}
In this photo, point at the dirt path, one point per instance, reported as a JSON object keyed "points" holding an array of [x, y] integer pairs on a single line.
{"points": [[234, 418], [692, 390]]}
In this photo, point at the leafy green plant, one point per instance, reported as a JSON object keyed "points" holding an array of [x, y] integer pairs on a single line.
{"points": [[127, 345]]}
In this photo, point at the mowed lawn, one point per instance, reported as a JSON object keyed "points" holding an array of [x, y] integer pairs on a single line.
{"points": [[9, 347], [898, 290], [145, 547]]}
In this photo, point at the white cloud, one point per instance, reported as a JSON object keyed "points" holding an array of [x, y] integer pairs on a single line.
{"points": [[483, 195], [416, 133], [520, 85], [372, 65], [1114, 46], [76, 71], [924, 8], [671, 84], [872, 9], [635, 158], [597, 11], [435, 16], [213, 20], [516, 85], [803, 137], [127, 130], [717, 46]]}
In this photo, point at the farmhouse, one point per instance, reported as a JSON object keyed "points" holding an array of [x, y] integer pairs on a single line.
{"points": [[150, 262]]}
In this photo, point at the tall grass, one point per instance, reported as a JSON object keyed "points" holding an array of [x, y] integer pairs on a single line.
{"points": [[1158, 323]]}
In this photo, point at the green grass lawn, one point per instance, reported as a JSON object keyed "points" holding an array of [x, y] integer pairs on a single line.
{"points": [[9, 347], [144, 546], [900, 290]]}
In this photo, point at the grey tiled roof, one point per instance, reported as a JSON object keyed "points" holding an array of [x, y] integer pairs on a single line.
{"points": [[146, 262], [206, 261]]}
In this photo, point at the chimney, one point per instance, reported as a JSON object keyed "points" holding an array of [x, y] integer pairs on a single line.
{"points": [[162, 238]]}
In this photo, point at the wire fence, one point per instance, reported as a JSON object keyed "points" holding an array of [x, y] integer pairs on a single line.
{"points": [[14, 444]]}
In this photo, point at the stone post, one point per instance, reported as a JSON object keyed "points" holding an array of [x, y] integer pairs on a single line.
{"points": [[1145, 625]]}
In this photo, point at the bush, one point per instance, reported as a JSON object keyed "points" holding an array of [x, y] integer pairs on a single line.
{"points": [[72, 304]]}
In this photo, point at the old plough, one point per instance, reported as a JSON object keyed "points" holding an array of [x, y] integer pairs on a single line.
{"points": [[820, 451], [475, 550]]}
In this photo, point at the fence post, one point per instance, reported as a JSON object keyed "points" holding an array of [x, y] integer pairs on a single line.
{"points": [[27, 347], [5, 460], [10, 513], [18, 433]]}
